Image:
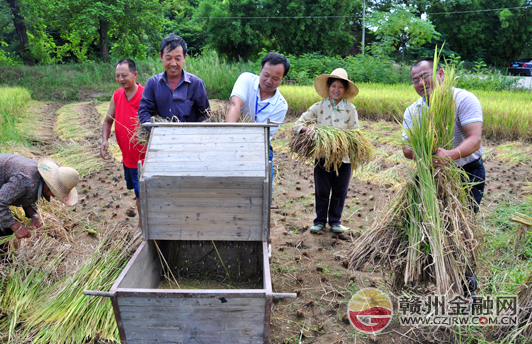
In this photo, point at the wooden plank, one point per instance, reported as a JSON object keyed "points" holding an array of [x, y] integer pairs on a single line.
{"points": [[202, 193], [222, 166], [144, 297], [162, 231], [182, 139], [143, 206], [220, 183], [175, 320], [165, 156], [210, 124], [205, 218], [143, 270], [189, 205], [206, 146], [118, 318], [215, 174], [202, 130], [193, 337]]}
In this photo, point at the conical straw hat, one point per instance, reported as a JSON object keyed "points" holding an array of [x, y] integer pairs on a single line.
{"points": [[62, 181], [320, 84]]}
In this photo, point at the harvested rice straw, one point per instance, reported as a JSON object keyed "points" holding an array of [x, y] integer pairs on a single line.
{"points": [[427, 233], [65, 315], [332, 144]]}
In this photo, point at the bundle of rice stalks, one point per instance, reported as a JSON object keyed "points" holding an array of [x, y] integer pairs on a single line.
{"points": [[427, 234], [332, 145], [142, 135], [62, 314]]}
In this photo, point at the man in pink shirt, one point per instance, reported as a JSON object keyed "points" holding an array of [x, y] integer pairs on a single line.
{"points": [[123, 110]]}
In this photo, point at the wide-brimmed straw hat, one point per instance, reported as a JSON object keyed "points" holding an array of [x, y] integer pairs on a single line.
{"points": [[62, 181], [320, 84]]}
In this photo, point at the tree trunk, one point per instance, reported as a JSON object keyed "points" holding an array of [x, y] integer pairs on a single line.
{"points": [[20, 28], [104, 48]]}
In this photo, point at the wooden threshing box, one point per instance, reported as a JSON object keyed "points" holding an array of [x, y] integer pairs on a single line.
{"points": [[205, 198], [206, 182]]}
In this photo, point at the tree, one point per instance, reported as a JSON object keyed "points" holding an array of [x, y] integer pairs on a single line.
{"points": [[20, 27], [475, 33], [399, 30], [329, 32], [123, 28], [230, 36]]}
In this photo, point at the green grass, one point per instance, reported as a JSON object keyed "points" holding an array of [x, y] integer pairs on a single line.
{"points": [[13, 101]]}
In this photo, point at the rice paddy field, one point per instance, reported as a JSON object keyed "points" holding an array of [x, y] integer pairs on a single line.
{"points": [[42, 278]]}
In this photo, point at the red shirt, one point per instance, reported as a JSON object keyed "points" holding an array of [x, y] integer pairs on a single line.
{"points": [[126, 118]]}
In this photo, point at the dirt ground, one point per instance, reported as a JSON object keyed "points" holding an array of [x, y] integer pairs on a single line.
{"points": [[313, 266]]}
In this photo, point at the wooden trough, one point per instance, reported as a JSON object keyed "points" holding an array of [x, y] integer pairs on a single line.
{"points": [[205, 209]]}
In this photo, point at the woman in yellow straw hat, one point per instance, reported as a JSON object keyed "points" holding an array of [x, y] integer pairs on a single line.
{"points": [[24, 181], [334, 110]]}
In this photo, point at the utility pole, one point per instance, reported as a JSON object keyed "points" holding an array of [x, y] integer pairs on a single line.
{"points": [[363, 26]]}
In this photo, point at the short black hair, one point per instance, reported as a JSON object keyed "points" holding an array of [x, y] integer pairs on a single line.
{"points": [[430, 60], [173, 41], [275, 59], [130, 63], [331, 80]]}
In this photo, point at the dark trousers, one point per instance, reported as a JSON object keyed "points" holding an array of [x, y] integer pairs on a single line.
{"points": [[329, 203], [477, 175]]}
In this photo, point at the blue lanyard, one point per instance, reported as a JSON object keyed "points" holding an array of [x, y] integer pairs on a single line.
{"points": [[257, 106]]}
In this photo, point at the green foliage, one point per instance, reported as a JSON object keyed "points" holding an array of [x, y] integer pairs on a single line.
{"points": [[232, 32], [496, 36], [360, 68], [398, 30]]}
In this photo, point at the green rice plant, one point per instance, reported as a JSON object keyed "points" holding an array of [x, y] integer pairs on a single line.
{"points": [[13, 101], [68, 123], [81, 158], [514, 152]]}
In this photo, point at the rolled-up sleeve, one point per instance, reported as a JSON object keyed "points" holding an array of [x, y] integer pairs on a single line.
{"points": [[307, 118]]}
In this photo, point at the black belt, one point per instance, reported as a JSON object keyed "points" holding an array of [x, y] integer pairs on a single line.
{"points": [[473, 164]]}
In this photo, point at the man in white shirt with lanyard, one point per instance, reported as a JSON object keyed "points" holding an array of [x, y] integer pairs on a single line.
{"points": [[257, 96]]}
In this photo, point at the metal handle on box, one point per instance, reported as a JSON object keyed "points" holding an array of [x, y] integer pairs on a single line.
{"points": [[98, 293], [282, 296]]}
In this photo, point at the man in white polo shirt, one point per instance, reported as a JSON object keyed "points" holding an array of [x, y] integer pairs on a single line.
{"points": [[257, 96], [467, 137]]}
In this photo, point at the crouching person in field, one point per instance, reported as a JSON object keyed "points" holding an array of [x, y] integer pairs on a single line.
{"points": [[257, 96], [175, 94], [334, 110], [23, 182], [123, 110]]}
